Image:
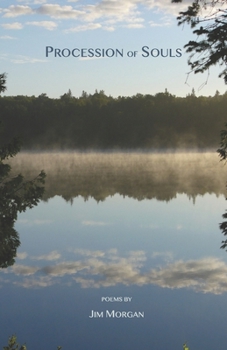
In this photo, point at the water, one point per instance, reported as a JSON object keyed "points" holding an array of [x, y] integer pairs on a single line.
{"points": [[124, 235]]}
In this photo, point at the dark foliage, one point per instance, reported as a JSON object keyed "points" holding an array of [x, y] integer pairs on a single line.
{"points": [[223, 228], [102, 122], [14, 345], [16, 195], [209, 23], [2, 82]]}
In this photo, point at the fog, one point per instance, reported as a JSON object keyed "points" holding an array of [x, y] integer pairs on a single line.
{"points": [[138, 175]]}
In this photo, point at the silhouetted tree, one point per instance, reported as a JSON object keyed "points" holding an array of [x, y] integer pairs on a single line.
{"points": [[16, 195], [2, 82], [14, 345], [223, 228], [209, 23]]}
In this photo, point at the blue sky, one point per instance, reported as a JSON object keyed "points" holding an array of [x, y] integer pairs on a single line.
{"points": [[29, 26]]}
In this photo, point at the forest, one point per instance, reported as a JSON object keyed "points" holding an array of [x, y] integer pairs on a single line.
{"points": [[100, 122]]}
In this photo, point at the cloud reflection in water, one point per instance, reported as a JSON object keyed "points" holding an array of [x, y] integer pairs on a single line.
{"points": [[96, 269]]}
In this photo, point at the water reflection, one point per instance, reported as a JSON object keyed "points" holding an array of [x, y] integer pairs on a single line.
{"points": [[134, 245], [90, 239], [16, 195], [102, 269], [223, 228], [135, 175], [9, 242]]}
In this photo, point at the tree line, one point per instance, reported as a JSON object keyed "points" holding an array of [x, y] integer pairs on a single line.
{"points": [[98, 121]]}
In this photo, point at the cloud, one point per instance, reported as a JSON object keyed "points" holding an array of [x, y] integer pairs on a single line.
{"points": [[119, 10], [121, 271], [122, 11], [60, 12], [15, 25], [112, 12], [65, 268], [24, 60], [98, 269], [49, 25], [108, 13], [33, 2], [17, 10], [90, 253], [82, 28], [43, 281], [132, 21], [54, 255], [22, 256], [205, 275], [111, 269], [24, 270], [163, 22], [134, 25], [7, 37], [166, 6], [39, 2], [94, 223]]}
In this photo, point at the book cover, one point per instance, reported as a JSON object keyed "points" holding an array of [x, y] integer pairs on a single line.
{"points": [[111, 206]]}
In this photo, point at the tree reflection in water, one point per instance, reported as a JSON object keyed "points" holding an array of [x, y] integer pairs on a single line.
{"points": [[16, 195], [223, 228], [222, 152]]}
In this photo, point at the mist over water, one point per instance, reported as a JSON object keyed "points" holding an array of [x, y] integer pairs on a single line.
{"points": [[134, 174]]}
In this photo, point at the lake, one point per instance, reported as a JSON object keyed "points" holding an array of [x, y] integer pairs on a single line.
{"points": [[122, 253]]}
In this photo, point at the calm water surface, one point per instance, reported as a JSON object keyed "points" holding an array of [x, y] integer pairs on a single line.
{"points": [[138, 226]]}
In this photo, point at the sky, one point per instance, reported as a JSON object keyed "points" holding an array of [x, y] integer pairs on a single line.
{"points": [[120, 47]]}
